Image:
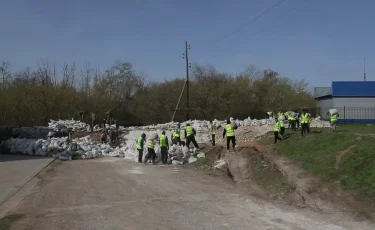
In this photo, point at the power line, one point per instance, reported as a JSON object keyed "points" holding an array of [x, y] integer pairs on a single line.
{"points": [[249, 22]]}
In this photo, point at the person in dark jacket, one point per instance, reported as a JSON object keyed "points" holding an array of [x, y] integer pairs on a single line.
{"points": [[190, 136], [213, 132], [140, 143]]}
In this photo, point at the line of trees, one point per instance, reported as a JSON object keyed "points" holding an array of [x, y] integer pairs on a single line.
{"points": [[33, 96]]}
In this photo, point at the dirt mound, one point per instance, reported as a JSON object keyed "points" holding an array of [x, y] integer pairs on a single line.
{"points": [[263, 172], [250, 170]]}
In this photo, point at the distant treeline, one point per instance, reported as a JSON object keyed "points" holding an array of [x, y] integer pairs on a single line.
{"points": [[33, 96]]}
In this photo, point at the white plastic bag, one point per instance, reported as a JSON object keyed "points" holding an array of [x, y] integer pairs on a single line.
{"points": [[333, 111]]}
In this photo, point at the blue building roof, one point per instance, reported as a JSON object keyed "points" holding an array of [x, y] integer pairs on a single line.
{"points": [[353, 88]]}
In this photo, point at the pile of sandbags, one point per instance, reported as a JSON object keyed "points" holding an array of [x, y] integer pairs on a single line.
{"points": [[86, 148], [317, 123]]}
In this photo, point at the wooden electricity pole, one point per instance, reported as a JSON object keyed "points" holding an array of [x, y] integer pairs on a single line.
{"points": [[186, 85], [187, 48]]}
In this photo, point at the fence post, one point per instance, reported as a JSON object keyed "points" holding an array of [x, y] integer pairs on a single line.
{"points": [[344, 116]]}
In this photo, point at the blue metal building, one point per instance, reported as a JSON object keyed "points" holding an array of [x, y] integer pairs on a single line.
{"points": [[355, 101]]}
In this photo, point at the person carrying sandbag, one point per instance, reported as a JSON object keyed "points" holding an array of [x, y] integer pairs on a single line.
{"points": [[150, 152], [334, 115], [176, 135]]}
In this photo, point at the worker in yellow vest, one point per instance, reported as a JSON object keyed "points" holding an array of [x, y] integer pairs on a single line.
{"points": [[292, 121], [276, 130], [164, 146], [333, 120], [190, 136], [229, 131], [213, 132], [304, 123], [140, 142], [282, 127], [150, 152], [269, 114], [176, 135]]}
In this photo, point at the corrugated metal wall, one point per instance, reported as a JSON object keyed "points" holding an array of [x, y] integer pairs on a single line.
{"points": [[355, 108], [351, 109], [363, 102], [322, 91]]}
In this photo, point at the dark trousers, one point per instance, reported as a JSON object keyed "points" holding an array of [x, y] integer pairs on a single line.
{"points": [[176, 140], [189, 139], [297, 123], [304, 128], [213, 139], [231, 139], [282, 130], [164, 154], [140, 155], [150, 154], [292, 124], [276, 134]]}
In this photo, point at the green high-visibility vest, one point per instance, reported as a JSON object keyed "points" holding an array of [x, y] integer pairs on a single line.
{"points": [[229, 130], [151, 144], [139, 140], [333, 117], [189, 130], [276, 127], [213, 129], [305, 118], [176, 133], [163, 142]]}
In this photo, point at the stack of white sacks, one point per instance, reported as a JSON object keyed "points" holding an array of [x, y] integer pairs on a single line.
{"points": [[86, 148]]}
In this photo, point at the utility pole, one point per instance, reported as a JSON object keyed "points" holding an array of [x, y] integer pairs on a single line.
{"points": [[364, 69], [186, 57]]}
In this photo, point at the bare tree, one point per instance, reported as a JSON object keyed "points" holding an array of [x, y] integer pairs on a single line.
{"points": [[68, 74], [5, 74]]}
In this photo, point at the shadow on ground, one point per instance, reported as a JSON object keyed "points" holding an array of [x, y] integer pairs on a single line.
{"points": [[17, 157]]}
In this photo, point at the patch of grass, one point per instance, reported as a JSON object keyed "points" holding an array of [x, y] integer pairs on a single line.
{"points": [[318, 151]]}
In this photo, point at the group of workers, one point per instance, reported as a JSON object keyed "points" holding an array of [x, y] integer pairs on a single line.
{"points": [[294, 119], [190, 132]]}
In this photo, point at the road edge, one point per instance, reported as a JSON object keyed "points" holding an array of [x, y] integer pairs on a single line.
{"points": [[5, 197]]}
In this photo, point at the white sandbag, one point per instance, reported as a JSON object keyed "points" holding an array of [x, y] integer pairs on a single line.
{"points": [[192, 159], [201, 155], [333, 111]]}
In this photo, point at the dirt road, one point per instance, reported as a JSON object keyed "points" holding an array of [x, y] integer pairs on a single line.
{"points": [[117, 194]]}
